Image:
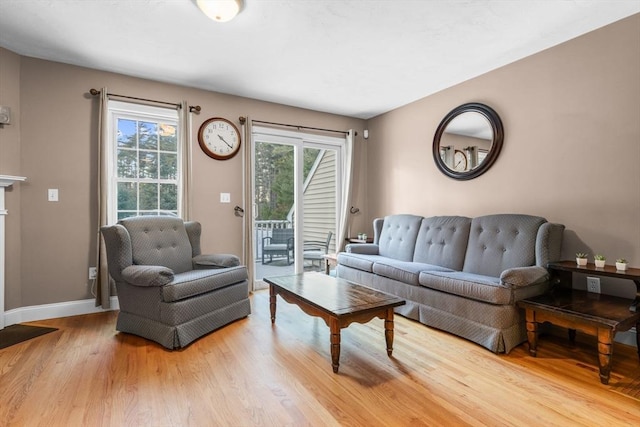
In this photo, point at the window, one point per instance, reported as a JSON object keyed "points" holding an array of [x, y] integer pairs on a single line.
{"points": [[144, 161]]}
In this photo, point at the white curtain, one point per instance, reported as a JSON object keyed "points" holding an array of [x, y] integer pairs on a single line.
{"points": [[347, 172], [102, 284], [247, 228], [184, 125]]}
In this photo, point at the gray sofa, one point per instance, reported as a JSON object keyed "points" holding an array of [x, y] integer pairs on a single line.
{"points": [[462, 275], [168, 291]]}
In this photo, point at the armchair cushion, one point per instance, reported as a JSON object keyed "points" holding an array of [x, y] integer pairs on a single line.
{"points": [[215, 261], [197, 282], [147, 275]]}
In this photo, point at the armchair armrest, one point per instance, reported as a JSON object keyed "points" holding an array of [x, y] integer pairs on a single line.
{"points": [[363, 248], [524, 276], [206, 261], [147, 275]]}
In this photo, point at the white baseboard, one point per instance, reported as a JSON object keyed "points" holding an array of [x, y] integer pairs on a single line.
{"points": [[52, 311]]}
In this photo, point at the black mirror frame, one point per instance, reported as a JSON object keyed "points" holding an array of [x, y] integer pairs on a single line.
{"points": [[496, 144]]}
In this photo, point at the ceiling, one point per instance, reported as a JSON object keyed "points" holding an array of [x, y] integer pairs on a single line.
{"points": [[358, 58]]}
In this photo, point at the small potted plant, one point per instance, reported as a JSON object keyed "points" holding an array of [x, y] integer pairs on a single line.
{"points": [[599, 260], [581, 258], [621, 264]]}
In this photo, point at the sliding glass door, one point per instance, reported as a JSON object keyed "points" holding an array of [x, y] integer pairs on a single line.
{"points": [[296, 200]]}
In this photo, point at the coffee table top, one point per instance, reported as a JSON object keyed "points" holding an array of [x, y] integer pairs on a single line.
{"points": [[335, 295]]}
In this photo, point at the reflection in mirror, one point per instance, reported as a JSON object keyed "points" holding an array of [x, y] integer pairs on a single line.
{"points": [[468, 141]]}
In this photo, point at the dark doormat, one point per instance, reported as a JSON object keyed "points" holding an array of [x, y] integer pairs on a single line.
{"points": [[15, 334]]}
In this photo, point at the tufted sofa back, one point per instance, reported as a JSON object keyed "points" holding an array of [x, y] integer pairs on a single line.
{"points": [[442, 240], [499, 242], [159, 240], [398, 236]]}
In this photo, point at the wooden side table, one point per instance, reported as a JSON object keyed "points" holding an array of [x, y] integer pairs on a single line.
{"points": [[329, 260], [599, 315]]}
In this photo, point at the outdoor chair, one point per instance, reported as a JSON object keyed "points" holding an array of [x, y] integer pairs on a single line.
{"points": [[314, 250], [167, 290], [280, 243]]}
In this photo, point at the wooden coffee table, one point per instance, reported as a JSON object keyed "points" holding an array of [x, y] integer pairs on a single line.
{"points": [[336, 301]]}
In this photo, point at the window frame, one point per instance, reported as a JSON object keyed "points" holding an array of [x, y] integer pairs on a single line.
{"points": [[139, 112]]}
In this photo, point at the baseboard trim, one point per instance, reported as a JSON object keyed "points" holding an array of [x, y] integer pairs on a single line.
{"points": [[55, 310]]}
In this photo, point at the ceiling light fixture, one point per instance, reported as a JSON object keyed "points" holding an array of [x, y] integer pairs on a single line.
{"points": [[220, 10]]}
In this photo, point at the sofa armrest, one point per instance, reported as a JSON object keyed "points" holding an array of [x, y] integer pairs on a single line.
{"points": [[147, 275], [363, 248], [548, 243], [520, 277], [208, 261]]}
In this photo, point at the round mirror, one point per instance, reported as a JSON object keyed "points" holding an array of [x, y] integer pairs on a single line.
{"points": [[468, 141]]}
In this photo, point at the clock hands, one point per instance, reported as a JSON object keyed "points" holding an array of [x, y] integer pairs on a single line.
{"points": [[223, 140]]}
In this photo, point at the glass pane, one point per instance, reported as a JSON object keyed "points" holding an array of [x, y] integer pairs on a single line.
{"points": [[126, 133], [319, 202], [169, 197], [148, 196], [274, 192], [126, 214], [148, 135], [127, 196], [168, 137], [127, 164], [168, 166], [274, 181], [148, 164]]}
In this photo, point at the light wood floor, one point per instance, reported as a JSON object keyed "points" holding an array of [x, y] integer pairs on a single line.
{"points": [[252, 374]]}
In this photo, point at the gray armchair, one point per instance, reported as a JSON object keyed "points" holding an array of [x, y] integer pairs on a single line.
{"points": [[168, 291]]}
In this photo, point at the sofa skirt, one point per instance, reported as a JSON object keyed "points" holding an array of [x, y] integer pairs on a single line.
{"points": [[498, 328]]}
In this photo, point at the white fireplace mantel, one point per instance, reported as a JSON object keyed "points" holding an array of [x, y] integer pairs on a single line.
{"points": [[5, 181]]}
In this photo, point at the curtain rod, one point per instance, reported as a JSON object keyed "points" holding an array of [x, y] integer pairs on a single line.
{"points": [[243, 119], [192, 108]]}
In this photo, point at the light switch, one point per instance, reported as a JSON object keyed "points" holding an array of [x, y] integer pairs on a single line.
{"points": [[52, 194], [225, 197]]}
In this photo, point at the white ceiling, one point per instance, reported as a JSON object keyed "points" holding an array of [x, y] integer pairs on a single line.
{"points": [[355, 58]]}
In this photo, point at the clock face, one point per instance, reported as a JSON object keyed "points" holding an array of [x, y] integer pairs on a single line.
{"points": [[459, 161], [219, 138]]}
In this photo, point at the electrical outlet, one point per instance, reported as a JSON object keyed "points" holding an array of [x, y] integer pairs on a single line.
{"points": [[93, 273], [593, 284]]}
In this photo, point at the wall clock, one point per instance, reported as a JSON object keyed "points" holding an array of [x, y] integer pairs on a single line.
{"points": [[219, 138], [459, 161]]}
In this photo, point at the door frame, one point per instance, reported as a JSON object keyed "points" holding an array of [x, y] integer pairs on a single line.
{"points": [[299, 140]]}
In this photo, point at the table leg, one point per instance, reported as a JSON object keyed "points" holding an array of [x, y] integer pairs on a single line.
{"points": [[272, 303], [388, 330], [532, 332], [605, 350], [335, 344]]}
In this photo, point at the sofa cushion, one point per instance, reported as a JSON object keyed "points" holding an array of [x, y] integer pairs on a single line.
{"points": [[403, 271], [398, 236], [499, 242], [196, 282], [475, 286], [358, 261], [442, 240]]}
